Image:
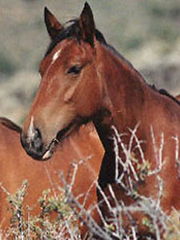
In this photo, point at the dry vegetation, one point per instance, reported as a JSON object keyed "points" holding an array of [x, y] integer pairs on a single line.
{"points": [[65, 225], [25, 225], [145, 32]]}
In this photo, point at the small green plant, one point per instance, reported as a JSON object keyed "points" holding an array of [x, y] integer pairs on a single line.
{"points": [[55, 221]]}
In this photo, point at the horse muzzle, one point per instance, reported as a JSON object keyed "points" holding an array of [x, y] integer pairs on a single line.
{"points": [[33, 144]]}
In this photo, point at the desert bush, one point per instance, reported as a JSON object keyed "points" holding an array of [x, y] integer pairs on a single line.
{"points": [[67, 209], [55, 221]]}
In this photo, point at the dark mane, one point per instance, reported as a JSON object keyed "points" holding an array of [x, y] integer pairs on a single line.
{"points": [[119, 55], [72, 31], [161, 91], [165, 93]]}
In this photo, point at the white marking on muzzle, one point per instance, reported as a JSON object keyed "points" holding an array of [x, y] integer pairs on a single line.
{"points": [[31, 131]]}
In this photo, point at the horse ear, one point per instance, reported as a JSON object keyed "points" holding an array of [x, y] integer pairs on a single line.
{"points": [[87, 25], [52, 24]]}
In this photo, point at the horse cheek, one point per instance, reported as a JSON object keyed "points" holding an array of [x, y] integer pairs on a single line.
{"points": [[89, 100], [69, 94]]}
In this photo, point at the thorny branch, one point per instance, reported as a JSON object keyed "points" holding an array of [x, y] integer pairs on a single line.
{"points": [[155, 218], [176, 139], [131, 173]]}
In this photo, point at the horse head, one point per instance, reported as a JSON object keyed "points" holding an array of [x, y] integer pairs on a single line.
{"points": [[69, 93]]}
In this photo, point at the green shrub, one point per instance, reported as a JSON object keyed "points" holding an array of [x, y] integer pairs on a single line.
{"points": [[55, 221], [7, 66]]}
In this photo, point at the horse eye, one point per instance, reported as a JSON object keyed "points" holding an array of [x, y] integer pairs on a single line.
{"points": [[74, 70]]}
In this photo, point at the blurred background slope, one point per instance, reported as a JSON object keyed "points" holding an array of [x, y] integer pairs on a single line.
{"points": [[146, 32]]}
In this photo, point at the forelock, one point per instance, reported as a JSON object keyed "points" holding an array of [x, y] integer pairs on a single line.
{"points": [[72, 30]]}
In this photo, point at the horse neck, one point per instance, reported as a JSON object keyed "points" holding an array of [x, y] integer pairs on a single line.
{"points": [[125, 93]]}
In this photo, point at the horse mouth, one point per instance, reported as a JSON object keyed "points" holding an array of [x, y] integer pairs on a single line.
{"points": [[50, 149], [61, 135]]}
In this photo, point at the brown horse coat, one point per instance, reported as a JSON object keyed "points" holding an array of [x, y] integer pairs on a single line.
{"points": [[84, 79], [16, 166]]}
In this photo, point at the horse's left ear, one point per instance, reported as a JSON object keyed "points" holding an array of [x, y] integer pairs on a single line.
{"points": [[87, 25]]}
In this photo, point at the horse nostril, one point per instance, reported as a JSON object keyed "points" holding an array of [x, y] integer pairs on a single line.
{"points": [[37, 140], [33, 143]]}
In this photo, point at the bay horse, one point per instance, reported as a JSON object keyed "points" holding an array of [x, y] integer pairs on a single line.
{"points": [[178, 97], [85, 79], [17, 166]]}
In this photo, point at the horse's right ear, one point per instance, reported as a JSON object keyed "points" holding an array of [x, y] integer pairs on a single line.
{"points": [[52, 24], [87, 25]]}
